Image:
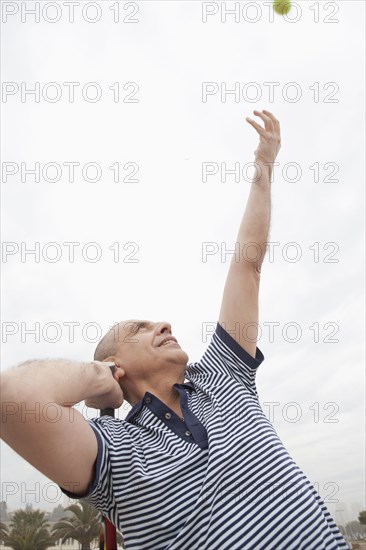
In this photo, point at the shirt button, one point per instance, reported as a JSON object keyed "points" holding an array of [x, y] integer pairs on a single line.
{"points": [[148, 400], [168, 416], [188, 432]]}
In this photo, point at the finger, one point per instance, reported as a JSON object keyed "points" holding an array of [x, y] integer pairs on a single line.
{"points": [[255, 125], [105, 363], [268, 123], [271, 116], [276, 123]]}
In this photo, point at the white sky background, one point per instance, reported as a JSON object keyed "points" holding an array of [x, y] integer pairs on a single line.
{"points": [[170, 211]]}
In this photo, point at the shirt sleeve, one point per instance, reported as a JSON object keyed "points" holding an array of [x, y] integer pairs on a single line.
{"points": [[100, 494], [224, 357]]}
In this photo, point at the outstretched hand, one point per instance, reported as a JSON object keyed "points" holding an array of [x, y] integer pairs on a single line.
{"points": [[269, 137]]}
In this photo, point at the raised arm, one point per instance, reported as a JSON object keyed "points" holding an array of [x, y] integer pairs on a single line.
{"points": [[239, 308], [40, 424]]}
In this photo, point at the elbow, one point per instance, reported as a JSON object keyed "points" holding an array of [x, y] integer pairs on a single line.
{"points": [[249, 269], [3, 397], [257, 270], [7, 388], [10, 407]]}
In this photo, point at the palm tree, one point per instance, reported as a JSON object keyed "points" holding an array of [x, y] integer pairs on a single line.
{"points": [[29, 530], [3, 531], [83, 526], [362, 517]]}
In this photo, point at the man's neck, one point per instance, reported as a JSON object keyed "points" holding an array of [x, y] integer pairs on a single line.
{"points": [[168, 395]]}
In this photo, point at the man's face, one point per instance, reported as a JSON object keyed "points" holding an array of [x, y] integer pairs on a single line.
{"points": [[145, 348]]}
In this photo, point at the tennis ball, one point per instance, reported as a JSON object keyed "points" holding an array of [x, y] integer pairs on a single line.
{"points": [[281, 7]]}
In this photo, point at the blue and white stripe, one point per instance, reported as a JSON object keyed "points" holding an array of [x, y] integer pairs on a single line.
{"points": [[222, 479]]}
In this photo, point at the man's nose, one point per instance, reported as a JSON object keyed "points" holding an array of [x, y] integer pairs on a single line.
{"points": [[164, 326]]}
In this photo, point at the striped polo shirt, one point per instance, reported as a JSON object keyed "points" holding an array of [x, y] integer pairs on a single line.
{"points": [[219, 479]]}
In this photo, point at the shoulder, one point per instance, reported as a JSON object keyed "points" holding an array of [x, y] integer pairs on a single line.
{"points": [[224, 357], [111, 429]]}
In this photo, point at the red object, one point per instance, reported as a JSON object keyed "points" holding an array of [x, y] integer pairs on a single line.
{"points": [[108, 535]]}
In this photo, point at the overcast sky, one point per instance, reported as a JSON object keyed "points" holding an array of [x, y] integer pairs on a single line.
{"points": [[151, 99]]}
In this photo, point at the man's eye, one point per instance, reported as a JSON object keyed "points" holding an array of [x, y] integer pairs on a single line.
{"points": [[133, 328], [136, 327]]}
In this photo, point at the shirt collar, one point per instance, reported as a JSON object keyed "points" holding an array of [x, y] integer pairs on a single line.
{"points": [[138, 406]]}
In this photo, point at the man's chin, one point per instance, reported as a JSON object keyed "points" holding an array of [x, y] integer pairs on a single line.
{"points": [[179, 353], [174, 351]]}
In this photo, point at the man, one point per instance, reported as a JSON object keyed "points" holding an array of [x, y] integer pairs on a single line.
{"points": [[196, 464]]}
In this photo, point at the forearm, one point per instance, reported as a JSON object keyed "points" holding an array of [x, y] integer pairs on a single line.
{"points": [[58, 381], [254, 227]]}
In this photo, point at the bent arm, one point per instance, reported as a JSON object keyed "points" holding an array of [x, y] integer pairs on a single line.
{"points": [[40, 424]]}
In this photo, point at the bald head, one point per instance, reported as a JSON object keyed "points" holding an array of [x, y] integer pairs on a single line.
{"points": [[106, 346], [111, 341]]}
